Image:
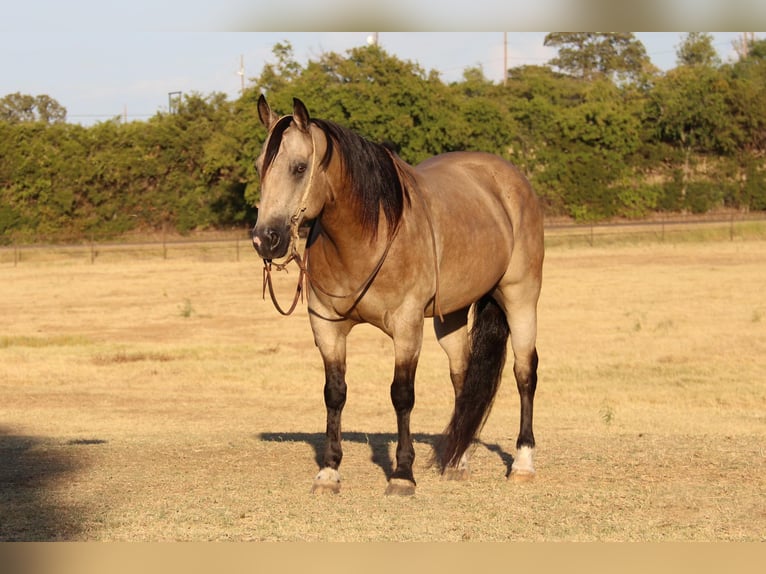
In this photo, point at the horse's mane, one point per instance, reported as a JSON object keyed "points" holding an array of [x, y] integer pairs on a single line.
{"points": [[377, 177]]}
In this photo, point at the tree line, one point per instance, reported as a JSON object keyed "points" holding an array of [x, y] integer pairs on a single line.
{"points": [[600, 132]]}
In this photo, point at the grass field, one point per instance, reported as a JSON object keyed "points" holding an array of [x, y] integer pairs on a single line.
{"points": [[152, 399]]}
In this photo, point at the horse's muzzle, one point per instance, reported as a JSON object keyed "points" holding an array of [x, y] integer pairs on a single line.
{"points": [[270, 242]]}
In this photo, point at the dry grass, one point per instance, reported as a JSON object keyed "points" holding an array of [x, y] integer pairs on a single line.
{"points": [[148, 399]]}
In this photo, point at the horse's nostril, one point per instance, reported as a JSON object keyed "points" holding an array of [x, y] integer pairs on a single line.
{"points": [[273, 237]]}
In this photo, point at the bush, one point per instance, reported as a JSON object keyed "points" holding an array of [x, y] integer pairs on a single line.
{"points": [[702, 196], [638, 200]]}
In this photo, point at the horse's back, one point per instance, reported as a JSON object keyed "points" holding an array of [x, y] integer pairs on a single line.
{"points": [[482, 181], [475, 164]]}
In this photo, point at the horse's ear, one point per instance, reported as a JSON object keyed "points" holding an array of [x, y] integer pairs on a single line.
{"points": [[300, 115], [267, 117]]}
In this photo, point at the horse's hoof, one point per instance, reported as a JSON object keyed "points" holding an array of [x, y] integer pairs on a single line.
{"points": [[522, 476], [456, 474], [400, 487], [328, 480], [522, 469], [322, 486]]}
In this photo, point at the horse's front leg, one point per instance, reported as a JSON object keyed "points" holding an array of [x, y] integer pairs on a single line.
{"points": [[330, 338], [407, 343]]}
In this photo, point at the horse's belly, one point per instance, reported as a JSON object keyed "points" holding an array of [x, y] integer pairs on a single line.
{"points": [[475, 253], [461, 289]]}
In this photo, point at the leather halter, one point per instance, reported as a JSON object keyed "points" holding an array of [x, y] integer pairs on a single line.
{"points": [[295, 222]]}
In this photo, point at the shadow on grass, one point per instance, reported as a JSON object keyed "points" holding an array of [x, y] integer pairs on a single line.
{"points": [[29, 511], [379, 444]]}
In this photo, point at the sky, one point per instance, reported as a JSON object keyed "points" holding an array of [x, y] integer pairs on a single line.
{"points": [[101, 59]]}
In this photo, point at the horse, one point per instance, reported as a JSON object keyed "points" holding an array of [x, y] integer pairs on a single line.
{"points": [[391, 244]]}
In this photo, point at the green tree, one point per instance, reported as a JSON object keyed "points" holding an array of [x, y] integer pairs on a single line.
{"points": [[41, 173], [483, 121], [275, 76], [696, 49], [601, 135], [617, 55], [576, 140], [18, 108], [689, 109], [747, 100], [373, 93], [198, 177]]}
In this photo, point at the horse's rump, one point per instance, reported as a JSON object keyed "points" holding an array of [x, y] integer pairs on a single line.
{"points": [[484, 215]]}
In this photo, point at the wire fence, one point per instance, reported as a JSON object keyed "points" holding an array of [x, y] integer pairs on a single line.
{"points": [[237, 246], [218, 248], [677, 229]]}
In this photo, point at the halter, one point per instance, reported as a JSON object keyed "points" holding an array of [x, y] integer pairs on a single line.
{"points": [[295, 221], [304, 276]]}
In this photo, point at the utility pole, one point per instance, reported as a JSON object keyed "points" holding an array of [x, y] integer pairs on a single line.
{"points": [[505, 58], [241, 73], [743, 46], [173, 100]]}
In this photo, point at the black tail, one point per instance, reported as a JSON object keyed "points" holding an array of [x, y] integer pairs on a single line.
{"points": [[489, 339]]}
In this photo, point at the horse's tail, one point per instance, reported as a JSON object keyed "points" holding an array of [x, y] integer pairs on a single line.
{"points": [[489, 339]]}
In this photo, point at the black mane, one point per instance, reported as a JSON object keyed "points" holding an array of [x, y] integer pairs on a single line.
{"points": [[371, 169]]}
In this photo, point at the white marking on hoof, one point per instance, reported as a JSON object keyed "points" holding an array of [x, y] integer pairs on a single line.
{"points": [[328, 480], [400, 487], [523, 469]]}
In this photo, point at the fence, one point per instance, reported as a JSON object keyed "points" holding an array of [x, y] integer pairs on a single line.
{"points": [[237, 245], [696, 228], [230, 248]]}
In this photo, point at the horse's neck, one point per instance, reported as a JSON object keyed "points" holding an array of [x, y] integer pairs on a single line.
{"points": [[344, 243]]}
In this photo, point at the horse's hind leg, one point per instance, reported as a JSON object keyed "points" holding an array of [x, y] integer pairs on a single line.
{"points": [[520, 302], [452, 334]]}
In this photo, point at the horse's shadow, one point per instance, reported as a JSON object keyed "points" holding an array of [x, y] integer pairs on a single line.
{"points": [[379, 446]]}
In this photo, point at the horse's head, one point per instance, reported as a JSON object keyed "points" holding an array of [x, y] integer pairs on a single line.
{"points": [[288, 168]]}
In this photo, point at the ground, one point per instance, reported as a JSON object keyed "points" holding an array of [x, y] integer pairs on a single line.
{"points": [[145, 398]]}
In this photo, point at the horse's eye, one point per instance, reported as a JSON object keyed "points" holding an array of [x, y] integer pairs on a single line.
{"points": [[299, 168]]}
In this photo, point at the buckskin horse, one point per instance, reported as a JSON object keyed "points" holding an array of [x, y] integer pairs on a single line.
{"points": [[458, 235]]}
